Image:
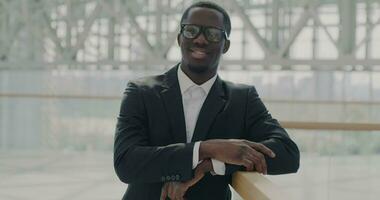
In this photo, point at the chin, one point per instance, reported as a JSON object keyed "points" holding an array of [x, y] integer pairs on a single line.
{"points": [[199, 69]]}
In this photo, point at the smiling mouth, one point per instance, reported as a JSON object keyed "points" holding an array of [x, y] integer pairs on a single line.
{"points": [[198, 53]]}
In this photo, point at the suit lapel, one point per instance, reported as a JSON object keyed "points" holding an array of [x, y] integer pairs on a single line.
{"points": [[172, 98], [212, 106]]}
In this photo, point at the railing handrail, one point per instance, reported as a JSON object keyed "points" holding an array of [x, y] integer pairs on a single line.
{"points": [[342, 126], [254, 186], [346, 126]]}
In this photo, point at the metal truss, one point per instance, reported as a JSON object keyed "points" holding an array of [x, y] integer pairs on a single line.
{"points": [[141, 34]]}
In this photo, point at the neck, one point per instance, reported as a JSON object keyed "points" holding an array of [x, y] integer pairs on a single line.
{"points": [[198, 78]]}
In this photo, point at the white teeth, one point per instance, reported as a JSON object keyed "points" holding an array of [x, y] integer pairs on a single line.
{"points": [[198, 54]]}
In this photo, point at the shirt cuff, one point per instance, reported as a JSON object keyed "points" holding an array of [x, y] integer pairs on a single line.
{"points": [[196, 154], [219, 167]]}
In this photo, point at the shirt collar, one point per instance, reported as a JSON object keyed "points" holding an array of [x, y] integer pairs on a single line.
{"points": [[185, 82]]}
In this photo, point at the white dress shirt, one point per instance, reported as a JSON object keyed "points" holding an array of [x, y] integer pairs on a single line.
{"points": [[193, 97]]}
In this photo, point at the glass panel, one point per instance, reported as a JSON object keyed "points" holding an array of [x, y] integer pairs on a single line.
{"points": [[334, 165]]}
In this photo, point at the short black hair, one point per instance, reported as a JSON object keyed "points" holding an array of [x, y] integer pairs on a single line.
{"points": [[211, 5]]}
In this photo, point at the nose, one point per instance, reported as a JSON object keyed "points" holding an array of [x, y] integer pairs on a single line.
{"points": [[200, 40]]}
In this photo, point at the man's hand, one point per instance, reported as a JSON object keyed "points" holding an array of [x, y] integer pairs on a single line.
{"points": [[238, 152], [177, 190]]}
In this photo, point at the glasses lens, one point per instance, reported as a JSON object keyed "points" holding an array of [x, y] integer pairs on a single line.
{"points": [[190, 31], [214, 35]]}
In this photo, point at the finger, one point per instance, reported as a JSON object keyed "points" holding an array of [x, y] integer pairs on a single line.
{"points": [[248, 164], [254, 157], [262, 148], [171, 193], [164, 192], [258, 166], [262, 162], [179, 191]]}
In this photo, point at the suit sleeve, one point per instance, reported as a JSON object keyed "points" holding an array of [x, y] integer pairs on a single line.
{"points": [[262, 128], [135, 161]]}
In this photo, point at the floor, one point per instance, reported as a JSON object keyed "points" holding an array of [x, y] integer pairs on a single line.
{"points": [[85, 176]]}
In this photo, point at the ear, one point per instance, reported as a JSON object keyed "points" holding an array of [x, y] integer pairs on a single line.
{"points": [[178, 38], [226, 46]]}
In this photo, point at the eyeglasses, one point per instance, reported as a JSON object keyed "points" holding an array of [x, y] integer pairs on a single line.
{"points": [[212, 34]]}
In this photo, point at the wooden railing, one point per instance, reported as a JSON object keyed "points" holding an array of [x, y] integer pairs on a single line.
{"points": [[254, 186], [343, 126]]}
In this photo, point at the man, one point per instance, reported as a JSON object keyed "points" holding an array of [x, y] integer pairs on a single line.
{"points": [[182, 134]]}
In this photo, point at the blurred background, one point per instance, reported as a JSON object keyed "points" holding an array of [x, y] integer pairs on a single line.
{"points": [[65, 63]]}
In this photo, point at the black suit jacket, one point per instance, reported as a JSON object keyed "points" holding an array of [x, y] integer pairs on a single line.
{"points": [[150, 141]]}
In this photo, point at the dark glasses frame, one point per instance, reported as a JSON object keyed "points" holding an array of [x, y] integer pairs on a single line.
{"points": [[202, 29]]}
